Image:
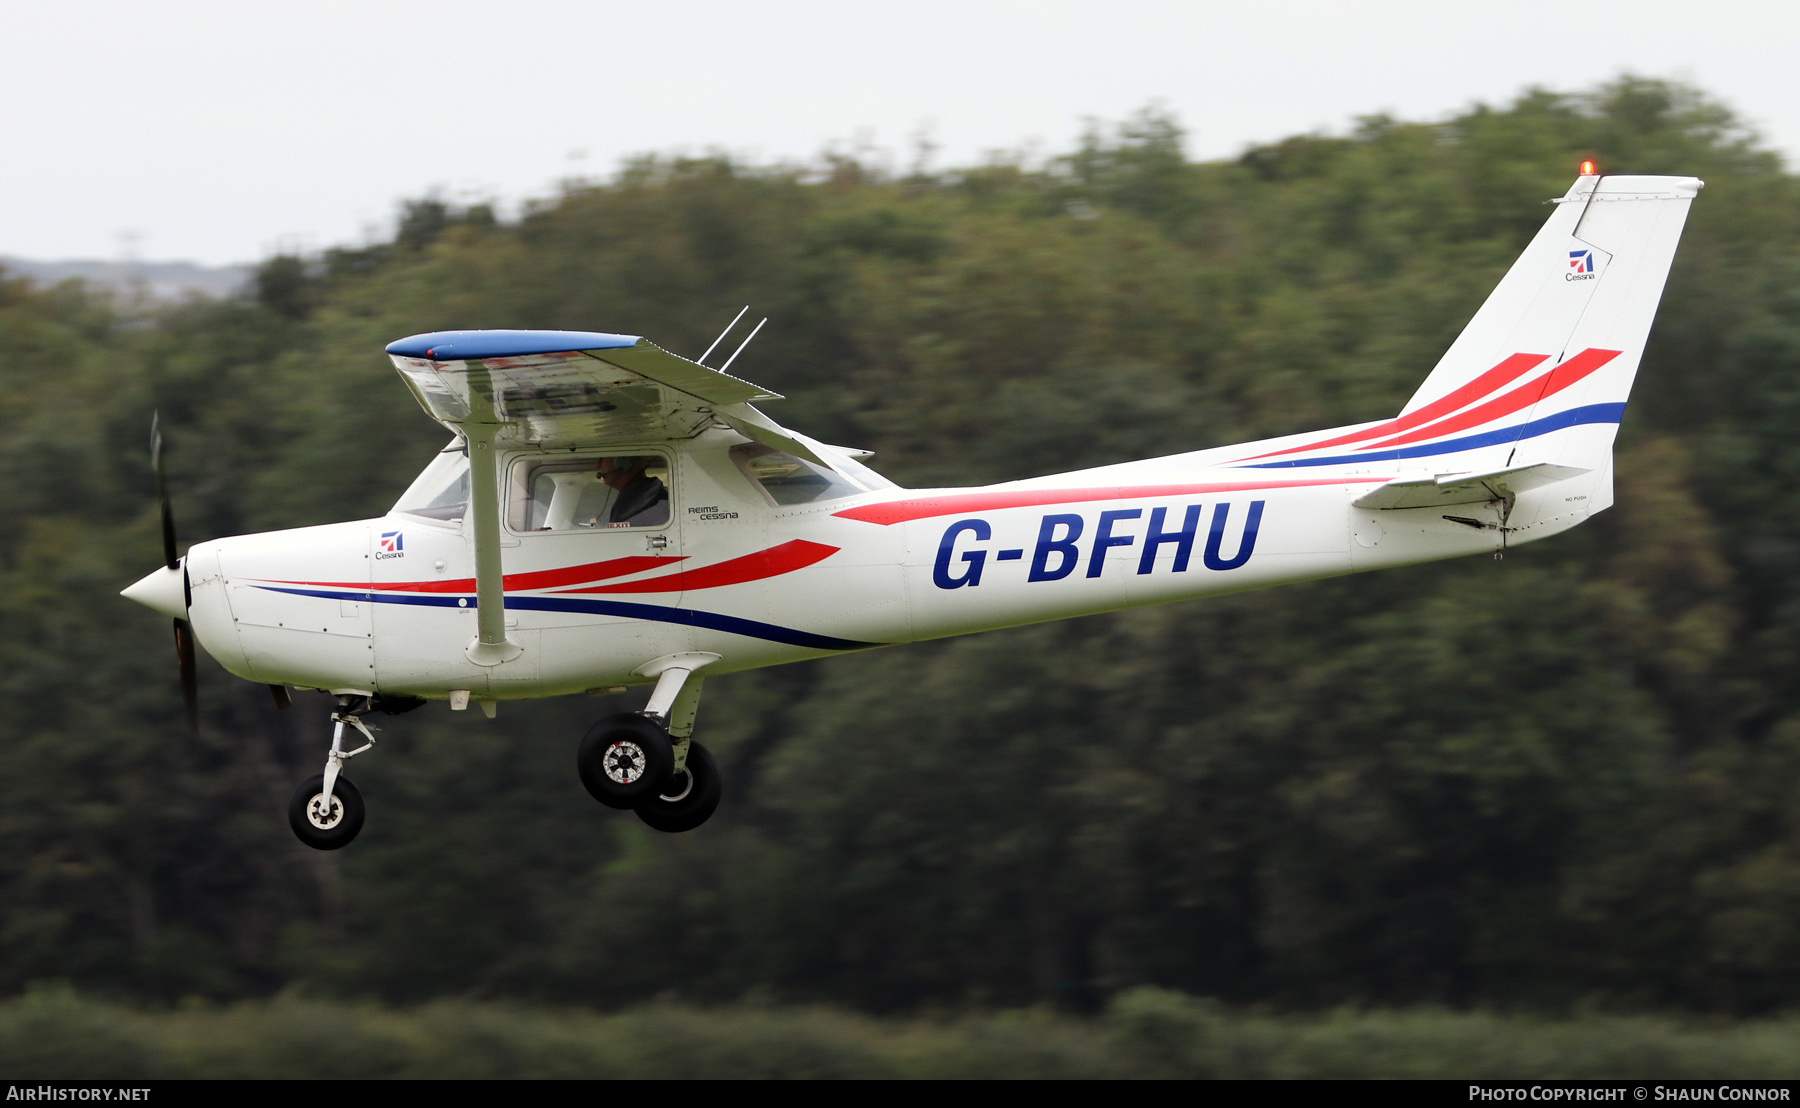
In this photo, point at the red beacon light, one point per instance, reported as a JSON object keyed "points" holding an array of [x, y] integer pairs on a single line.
{"points": [[1588, 169]]}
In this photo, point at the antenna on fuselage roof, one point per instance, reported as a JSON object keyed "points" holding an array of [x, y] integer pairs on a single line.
{"points": [[734, 320], [741, 346]]}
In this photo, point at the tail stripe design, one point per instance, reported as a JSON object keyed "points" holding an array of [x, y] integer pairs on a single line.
{"points": [[1508, 371], [1522, 397], [1574, 417], [1447, 416]]}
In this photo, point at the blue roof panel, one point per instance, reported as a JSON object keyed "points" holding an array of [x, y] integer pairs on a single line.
{"points": [[444, 346]]}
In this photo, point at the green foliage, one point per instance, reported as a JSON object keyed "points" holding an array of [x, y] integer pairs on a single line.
{"points": [[1148, 1033], [1563, 781]]}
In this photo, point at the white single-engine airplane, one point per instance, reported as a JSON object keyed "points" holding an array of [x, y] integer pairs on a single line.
{"points": [[610, 514]]}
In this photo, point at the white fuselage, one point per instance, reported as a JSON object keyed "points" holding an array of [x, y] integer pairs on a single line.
{"points": [[760, 556], [389, 605]]}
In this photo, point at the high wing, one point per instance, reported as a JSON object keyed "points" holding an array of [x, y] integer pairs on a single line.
{"points": [[578, 388]]}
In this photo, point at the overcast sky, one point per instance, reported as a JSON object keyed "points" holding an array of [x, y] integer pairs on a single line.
{"points": [[221, 131]]}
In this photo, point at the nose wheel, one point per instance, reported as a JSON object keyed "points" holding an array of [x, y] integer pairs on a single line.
{"points": [[326, 811], [325, 823]]}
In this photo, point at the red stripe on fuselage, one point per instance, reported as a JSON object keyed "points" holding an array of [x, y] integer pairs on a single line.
{"points": [[1501, 375], [776, 560], [1524, 396], [538, 579], [926, 507]]}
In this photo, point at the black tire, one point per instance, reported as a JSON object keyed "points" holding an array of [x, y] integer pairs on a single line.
{"points": [[346, 805], [690, 797], [625, 760]]}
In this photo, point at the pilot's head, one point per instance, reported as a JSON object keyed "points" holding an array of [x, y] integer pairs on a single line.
{"points": [[619, 472]]}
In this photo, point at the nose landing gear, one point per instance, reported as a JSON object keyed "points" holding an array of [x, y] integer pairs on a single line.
{"points": [[647, 761], [326, 811]]}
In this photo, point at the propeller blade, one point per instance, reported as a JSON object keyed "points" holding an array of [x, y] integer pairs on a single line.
{"points": [[184, 634], [162, 492], [190, 677]]}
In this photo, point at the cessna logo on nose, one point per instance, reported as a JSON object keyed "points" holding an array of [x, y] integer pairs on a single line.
{"points": [[393, 545], [1060, 550]]}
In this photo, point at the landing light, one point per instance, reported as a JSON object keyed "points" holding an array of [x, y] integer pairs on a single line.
{"points": [[1588, 169]]}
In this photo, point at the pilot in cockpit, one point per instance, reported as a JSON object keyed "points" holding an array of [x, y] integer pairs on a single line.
{"points": [[638, 499], [599, 493]]}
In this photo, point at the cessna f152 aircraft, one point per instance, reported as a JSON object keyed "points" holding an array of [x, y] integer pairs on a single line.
{"points": [[609, 514]]}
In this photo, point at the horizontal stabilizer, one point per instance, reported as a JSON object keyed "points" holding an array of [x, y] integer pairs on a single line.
{"points": [[1464, 488]]}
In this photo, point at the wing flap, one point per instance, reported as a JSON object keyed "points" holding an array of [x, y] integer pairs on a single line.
{"points": [[646, 359], [1445, 489]]}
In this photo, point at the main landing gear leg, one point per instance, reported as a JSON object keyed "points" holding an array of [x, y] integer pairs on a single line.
{"points": [[326, 811], [676, 699], [648, 761]]}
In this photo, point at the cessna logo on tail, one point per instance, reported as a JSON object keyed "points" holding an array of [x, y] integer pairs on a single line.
{"points": [[1581, 266]]}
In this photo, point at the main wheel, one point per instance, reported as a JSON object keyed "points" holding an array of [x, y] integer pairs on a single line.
{"points": [[625, 760], [689, 798], [321, 829]]}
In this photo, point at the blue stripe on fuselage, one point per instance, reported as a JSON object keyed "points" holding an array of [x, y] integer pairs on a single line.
{"points": [[712, 621], [1592, 413]]}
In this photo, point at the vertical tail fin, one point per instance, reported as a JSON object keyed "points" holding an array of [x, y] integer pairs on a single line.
{"points": [[1542, 373]]}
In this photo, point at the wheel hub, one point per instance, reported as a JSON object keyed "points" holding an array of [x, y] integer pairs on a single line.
{"points": [[624, 762], [323, 820]]}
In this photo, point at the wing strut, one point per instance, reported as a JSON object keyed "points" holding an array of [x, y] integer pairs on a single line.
{"points": [[491, 646]]}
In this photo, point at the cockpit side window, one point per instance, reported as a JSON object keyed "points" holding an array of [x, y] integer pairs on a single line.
{"points": [[789, 480], [574, 494], [442, 490]]}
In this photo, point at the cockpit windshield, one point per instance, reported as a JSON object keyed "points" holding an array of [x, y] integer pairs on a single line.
{"points": [[442, 491]]}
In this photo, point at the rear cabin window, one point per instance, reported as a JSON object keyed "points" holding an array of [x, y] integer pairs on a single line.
{"points": [[589, 494], [790, 480]]}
